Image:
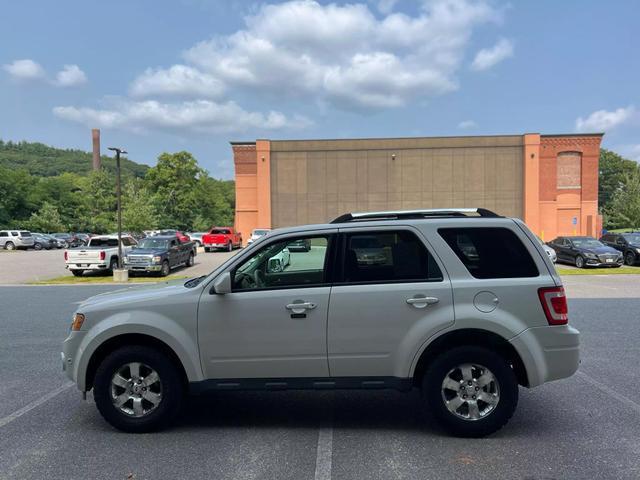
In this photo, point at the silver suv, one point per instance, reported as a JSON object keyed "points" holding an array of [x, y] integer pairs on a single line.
{"points": [[462, 304], [12, 239]]}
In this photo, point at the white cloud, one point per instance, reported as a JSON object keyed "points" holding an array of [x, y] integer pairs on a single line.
{"points": [[70, 76], [386, 6], [343, 53], [179, 80], [200, 116], [467, 124], [630, 151], [488, 57], [25, 69], [603, 120]]}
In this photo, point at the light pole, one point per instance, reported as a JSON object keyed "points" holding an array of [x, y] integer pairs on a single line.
{"points": [[119, 203]]}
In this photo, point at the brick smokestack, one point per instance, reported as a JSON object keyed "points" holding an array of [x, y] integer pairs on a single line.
{"points": [[95, 134]]}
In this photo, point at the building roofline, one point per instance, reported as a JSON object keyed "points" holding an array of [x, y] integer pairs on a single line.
{"points": [[242, 143], [348, 139], [594, 134]]}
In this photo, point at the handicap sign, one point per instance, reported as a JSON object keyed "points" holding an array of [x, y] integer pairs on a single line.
{"points": [[574, 220]]}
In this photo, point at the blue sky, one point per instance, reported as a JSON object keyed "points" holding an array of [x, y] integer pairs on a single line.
{"points": [[192, 74]]}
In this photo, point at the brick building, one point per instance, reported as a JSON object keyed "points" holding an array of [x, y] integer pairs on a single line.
{"points": [[550, 181]]}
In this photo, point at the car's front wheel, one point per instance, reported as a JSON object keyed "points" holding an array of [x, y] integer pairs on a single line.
{"points": [[165, 269], [471, 391], [629, 258], [579, 261], [138, 389]]}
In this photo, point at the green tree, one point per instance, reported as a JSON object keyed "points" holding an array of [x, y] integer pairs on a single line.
{"points": [[614, 171], [174, 184], [624, 208], [138, 209], [98, 211], [216, 203], [47, 219], [14, 202]]}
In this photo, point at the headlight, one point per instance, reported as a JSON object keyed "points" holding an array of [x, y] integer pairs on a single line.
{"points": [[590, 255], [156, 259], [638, 250], [78, 320]]}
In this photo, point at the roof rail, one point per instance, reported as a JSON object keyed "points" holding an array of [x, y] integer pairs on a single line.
{"points": [[405, 214]]}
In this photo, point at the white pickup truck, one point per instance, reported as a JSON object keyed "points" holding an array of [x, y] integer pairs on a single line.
{"points": [[101, 253]]}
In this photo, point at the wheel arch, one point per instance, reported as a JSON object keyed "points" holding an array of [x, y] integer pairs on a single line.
{"points": [[126, 339], [475, 337]]}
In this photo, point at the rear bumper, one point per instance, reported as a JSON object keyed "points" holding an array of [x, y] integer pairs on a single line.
{"points": [[87, 266], [548, 353]]}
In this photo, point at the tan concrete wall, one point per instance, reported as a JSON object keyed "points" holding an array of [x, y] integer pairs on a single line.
{"points": [[315, 181]]}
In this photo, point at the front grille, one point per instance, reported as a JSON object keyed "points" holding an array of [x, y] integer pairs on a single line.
{"points": [[138, 259], [607, 256]]}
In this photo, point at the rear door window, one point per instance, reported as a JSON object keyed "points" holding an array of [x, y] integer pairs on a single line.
{"points": [[387, 257], [492, 252]]}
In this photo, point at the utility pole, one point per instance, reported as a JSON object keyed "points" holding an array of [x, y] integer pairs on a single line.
{"points": [[119, 203]]}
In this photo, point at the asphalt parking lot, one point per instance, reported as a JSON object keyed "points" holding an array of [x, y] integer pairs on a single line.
{"points": [[584, 427], [28, 266]]}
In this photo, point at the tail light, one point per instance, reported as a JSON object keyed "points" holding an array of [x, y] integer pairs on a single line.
{"points": [[66, 255], [554, 304], [102, 255]]}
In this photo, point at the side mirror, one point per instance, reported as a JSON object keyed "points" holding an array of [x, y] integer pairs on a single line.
{"points": [[222, 285]]}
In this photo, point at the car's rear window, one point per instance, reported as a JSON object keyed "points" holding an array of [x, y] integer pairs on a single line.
{"points": [[103, 242], [220, 231], [490, 252], [25, 234]]}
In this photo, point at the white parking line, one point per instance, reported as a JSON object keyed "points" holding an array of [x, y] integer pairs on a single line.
{"points": [[36, 403], [325, 452], [609, 391]]}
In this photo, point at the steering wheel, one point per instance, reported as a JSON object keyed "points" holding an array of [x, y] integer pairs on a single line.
{"points": [[248, 280], [258, 278]]}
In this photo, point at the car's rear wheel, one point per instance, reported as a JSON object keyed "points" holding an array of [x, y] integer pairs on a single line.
{"points": [[113, 264], [37, 246], [138, 389], [77, 273], [207, 249], [471, 391], [579, 261], [9, 246], [629, 258]]}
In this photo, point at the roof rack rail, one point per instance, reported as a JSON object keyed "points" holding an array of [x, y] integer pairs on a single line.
{"points": [[406, 214]]}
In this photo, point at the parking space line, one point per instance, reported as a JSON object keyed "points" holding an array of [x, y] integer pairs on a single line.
{"points": [[35, 404], [324, 454], [609, 391]]}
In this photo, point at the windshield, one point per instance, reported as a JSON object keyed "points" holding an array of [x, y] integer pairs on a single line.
{"points": [[587, 243], [632, 237], [153, 243]]}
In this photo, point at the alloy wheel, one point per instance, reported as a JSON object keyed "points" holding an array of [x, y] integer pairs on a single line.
{"points": [[136, 389], [470, 391]]}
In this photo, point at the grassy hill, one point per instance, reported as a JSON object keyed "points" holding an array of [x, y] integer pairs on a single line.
{"points": [[44, 161]]}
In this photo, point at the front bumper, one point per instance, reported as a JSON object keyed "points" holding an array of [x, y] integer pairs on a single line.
{"points": [[596, 262], [133, 267], [548, 353], [70, 355]]}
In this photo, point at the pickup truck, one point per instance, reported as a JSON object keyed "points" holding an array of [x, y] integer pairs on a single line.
{"points": [[222, 238], [159, 254], [101, 253]]}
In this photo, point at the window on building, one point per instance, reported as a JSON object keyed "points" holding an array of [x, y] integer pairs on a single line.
{"points": [[569, 170], [490, 252], [387, 257]]}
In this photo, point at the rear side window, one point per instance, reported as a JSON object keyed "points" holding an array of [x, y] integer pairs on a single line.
{"points": [[387, 257], [103, 242], [490, 252]]}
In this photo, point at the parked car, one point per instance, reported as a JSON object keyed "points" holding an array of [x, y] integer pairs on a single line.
{"points": [[315, 324], [82, 237], [548, 250], [257, 233], [68, 240], [221, 238], [585, 252], [279, 262], [301, 245], [101, 253], [42, 241], [14, 239], [368, 250], [627, 243], [196, 237], [177, 233], [160, 254]]}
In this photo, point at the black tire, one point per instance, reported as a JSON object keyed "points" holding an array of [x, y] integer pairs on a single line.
{"points": [[207, 249], [77, 273], [113, 264], [9, 246], [172, 389], [630, 258], [37, 246], [190, 261], [165, 269], [504, 376], [230, 247], [579, 261]]}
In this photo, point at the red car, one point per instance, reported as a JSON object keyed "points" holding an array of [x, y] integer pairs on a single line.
{"points": [[221, 238], [181, 236]]}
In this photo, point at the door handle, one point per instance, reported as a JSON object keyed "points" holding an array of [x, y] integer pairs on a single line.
{"points": [[301, 306], [422, 302]]}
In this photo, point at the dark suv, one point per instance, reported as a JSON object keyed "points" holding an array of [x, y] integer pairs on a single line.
{"points": [[627, 243]]}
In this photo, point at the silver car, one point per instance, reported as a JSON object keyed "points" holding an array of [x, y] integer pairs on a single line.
{"points": [[467, 307], [13, 239]]}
